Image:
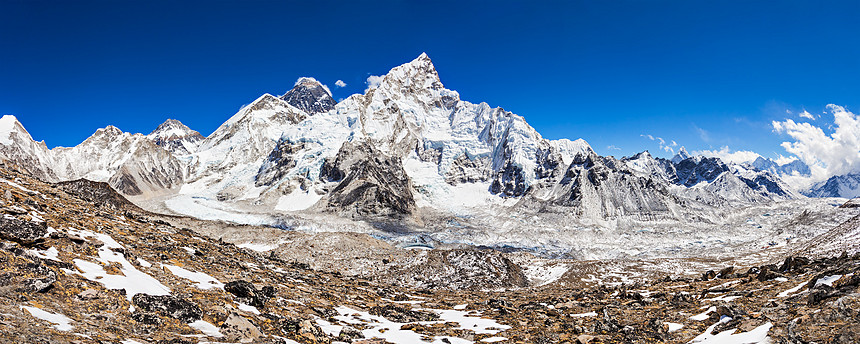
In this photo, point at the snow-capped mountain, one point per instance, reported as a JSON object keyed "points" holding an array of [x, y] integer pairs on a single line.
{"points": [[710, 180], [310, 96], [846, 185], [681, 155], [131, 163], [19, 148], [176, 137], [767, 164], [404, 145]]}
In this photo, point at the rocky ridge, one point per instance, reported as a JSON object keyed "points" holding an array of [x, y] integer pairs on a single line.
{"points": [[82, 272]]}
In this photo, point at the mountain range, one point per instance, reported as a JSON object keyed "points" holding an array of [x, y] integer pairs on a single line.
{"points": [[406, 151]]}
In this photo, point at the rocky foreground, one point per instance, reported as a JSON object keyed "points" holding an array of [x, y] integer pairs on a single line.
{"points": [[79, 264]]}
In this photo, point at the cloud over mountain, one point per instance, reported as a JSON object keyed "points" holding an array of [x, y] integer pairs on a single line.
{"points": [[830, 154]]}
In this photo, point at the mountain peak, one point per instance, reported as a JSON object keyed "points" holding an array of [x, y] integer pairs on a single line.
{"points": [[109, 130], [422, 59], [175, 137], [310, 96], [172, 128], [681, 155], [419, 73], [9, 124]]}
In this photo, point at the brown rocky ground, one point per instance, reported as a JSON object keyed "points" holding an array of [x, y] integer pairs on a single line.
{"points": [[71, 258]]}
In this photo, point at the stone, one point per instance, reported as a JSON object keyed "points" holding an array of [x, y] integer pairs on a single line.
{"points": [[25, 233], [170, 306], [237, 328], [89, 294], [246, 292]]}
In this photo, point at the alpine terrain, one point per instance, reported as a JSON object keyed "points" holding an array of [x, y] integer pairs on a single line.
{"points": [[407, 215]]}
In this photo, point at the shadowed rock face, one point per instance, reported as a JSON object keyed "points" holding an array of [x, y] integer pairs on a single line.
{"points": [[310, 96], [847, 185], [98, 193], [278, 163], [249, 294], [691, 172], [371, 183]]}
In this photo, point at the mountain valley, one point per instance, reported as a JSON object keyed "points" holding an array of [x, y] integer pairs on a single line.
{"points": [[407, 215]]}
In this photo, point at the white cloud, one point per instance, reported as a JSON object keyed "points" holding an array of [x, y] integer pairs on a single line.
{"points": [[373, 81], [612, 147], [666, 147], [725, 154], [806, 114], [782, 160], [826, 155], [340, 83]]}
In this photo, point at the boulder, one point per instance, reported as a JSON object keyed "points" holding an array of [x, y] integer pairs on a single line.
{"points": [[25, 233], [168, 305], [237, 328]]}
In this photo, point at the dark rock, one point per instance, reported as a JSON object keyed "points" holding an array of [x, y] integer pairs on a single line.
{"points": [[724, 326], [99, 193], [280, 160], [371, 183], [767, 273], [681, 299], [402, 314], [606, 324], [794, 264], [175, 341], [726, 272], [26, 233], [349, 333], [324, 312], [146, 318], [469, 170], [817, 295], [43, 282], [692, 171], [498, 303], [247, 293], [309, 96], [462, 269], [168, 305]]}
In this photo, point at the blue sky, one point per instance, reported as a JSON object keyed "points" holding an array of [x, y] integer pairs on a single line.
{"points": [[703, 74]]}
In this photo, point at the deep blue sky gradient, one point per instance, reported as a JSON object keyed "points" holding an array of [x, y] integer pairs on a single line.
{"points": [[705, 74]]}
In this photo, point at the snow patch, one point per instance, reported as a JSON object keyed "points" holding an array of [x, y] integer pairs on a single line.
{"points": [[792, 290], [828, 280], [704, 315], [61, 322], [51, 253], [757, 335], [673, 326], [132, 280], [248, 308], [379, 327], [201, 280], [207, 328]]}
